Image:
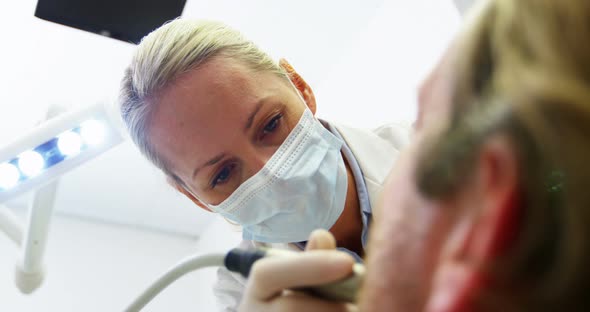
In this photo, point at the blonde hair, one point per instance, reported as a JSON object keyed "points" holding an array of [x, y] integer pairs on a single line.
{"points": [[166, 54], [523, 70]]}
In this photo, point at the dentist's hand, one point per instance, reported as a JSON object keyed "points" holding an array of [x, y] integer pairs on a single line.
{"points": [[270, 278]]}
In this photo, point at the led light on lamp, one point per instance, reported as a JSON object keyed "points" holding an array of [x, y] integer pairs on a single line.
{"points": [[9, 175], [93, 132], [69, 143], [31, 163]]}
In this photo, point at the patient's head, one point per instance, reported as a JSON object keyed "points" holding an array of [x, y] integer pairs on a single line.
{"points": [[488, 209]]}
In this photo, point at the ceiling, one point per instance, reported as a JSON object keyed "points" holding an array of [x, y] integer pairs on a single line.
{"points": [[47, 64]]}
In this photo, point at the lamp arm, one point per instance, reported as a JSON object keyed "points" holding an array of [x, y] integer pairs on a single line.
{"points": [[30, 272]]}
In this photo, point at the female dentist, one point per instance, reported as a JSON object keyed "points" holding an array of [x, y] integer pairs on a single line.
{"points": [[237, 134]]}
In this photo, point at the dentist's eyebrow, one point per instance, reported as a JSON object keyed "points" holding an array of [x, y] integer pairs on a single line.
{"points": [[209, 163], [252, 115]]}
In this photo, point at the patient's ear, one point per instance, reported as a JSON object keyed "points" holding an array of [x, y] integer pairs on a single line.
{"points": [[186, 193], [304, 89], [484, 227]]}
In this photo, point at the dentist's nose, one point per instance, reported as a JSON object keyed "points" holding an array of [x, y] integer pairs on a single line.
{"points": [[256, 158]]}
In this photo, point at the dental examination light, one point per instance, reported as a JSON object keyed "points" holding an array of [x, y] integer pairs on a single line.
{"points": [[34, 161], [53, 148], [241, 261]]}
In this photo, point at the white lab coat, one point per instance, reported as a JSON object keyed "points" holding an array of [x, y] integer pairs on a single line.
{"points": [[375, 151]]}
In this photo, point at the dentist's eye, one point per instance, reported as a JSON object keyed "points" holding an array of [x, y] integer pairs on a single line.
{"points": [[223, 175], [272, 125]]}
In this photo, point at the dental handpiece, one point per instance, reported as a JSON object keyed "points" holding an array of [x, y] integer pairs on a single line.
{"points": [[241, 261], [345, 290]]}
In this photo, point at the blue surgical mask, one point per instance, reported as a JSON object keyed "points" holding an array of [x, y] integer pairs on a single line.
{"points": [[301, 188]]}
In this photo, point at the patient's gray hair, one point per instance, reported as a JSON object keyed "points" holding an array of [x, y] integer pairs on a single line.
{"points": [[168, 52]]}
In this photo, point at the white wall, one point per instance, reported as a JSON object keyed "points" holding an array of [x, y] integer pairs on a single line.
{"points": [[98, 267], [376, 81]]}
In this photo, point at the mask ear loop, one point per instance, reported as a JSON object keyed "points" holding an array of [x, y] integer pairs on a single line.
{"points": [[237, 226]]}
